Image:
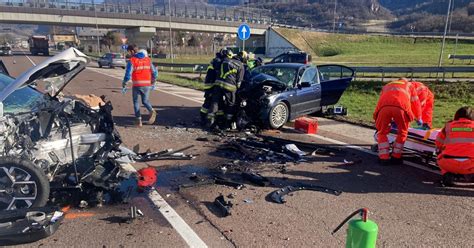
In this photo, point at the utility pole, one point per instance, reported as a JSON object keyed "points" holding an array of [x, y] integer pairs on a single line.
{"points": [[171, 33], [334, 22], [96, 27], [444, 35]]}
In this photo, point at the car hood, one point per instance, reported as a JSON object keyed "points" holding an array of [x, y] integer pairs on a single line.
{"points": [[53, 74], [261, 79]]}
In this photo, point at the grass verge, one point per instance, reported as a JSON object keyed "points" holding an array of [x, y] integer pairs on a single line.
{"points": [[361, 97]]}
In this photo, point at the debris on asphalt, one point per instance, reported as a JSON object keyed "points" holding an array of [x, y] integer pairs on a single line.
{"points": [[278, 196], [135, 213], [205, 139], [248, 201], [227, 182], [168, 154], [223, 205], [256, 178], [357, 161], [294, 150], [28, 225]]}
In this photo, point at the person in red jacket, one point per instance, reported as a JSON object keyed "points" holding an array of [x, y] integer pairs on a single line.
{"points": [[455, 144], [427, 103], [143, 74], [400, 104]]}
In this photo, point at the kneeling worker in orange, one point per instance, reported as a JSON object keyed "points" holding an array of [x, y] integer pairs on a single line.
{"points": [[398, 103], [427, 103], [455, 144]]}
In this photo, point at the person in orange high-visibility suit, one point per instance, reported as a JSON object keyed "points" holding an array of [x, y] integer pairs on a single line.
{"points": [[427, 103], [455, 144], [400, 104]]}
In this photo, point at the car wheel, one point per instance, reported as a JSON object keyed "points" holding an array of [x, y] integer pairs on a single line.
{"points": [[22, 185], [278, 115]]}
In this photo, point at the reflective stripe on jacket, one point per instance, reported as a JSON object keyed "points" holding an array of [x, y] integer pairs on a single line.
{"points": [[142, 71], [456, 139], [402, 94], [423, 92]]}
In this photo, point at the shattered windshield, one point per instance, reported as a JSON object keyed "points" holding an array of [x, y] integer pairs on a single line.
{"points": [[284, 74], [22, 100]]}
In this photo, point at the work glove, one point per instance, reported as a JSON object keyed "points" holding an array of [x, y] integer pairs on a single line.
{"points": [[153, 87], [419, 122], [124, 90]]}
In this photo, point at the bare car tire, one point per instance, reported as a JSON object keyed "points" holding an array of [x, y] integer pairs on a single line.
{"points": [[278, 115], [22, 184]]}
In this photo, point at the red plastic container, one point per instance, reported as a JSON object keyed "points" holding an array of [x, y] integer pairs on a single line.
{"points": [[307, 125], [147, 177]]}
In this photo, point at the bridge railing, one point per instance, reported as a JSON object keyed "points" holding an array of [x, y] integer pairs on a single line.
{"points": [[196, 11]]}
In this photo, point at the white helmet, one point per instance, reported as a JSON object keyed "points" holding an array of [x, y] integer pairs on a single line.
{"points": [[144, 52]]}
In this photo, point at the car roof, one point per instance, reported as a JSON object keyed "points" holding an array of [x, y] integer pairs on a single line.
{"points": [[286, 65]]}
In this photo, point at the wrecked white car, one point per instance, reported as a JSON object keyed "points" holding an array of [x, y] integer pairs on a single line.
{"points": [[48, 142]]}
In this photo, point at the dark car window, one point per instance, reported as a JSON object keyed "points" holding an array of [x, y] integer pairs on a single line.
{"points": [[310, 76], [281, 59], [284, 74], [21, 100]]}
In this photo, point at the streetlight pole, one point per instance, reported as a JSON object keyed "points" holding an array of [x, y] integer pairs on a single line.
{"points": [[440, 61], [96, 27], [334, 22], [171, 33]]}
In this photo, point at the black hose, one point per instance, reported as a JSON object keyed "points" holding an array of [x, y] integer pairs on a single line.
{"points": [[72, 150], [347, 219]]}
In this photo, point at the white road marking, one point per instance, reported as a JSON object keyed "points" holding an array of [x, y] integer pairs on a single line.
{"points": [[24, 53], [166, 92], [189, 236]]}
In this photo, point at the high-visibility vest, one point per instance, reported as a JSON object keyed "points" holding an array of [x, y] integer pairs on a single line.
{"points": [[400, 94], [141, 74], [423, 92], [457, 139]]}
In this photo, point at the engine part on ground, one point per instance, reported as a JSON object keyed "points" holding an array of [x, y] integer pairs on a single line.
{"points": [[28, 225], [223, 205], [227, 182], [147, 177], [307, 125], [256, 178], [336, 110], [278, 196], [135, 213], [361, 233]]}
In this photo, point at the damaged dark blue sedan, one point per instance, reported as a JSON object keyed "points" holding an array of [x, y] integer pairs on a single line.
{"points": [[277, 93]]}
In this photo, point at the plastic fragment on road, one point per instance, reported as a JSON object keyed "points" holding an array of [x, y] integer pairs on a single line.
{"points": [[278, 196], [28, 225], [307, 125], [223, 205], [294, 150]]}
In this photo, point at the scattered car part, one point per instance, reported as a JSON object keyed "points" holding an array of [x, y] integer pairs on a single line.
{"points": [[278, 196], [26, 226], [147, 177], [135, 213], [227, 182], [256, 178], [223, 205], [294, 151], [168, 154]]}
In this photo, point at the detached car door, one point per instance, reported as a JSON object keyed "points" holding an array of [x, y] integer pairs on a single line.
{"points": [[308, 92], [334, 81]]}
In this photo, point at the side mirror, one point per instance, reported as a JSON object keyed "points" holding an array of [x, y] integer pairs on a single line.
{"points": [[305, 84]]}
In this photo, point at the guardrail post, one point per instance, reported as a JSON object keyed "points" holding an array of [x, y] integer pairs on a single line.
{"points": [[383, 75]]}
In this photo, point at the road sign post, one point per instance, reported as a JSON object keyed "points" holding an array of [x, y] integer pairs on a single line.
{"points": [[244, 33]]}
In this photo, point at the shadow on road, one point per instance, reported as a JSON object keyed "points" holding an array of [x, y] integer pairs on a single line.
{"points": [[167, 116]]}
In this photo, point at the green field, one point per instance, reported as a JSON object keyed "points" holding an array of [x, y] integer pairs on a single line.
{"points": [[361, 97], [374, 50]]}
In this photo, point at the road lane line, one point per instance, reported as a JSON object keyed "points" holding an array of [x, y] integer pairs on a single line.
{"points": [[183, 229], [24, 53], [421, 167]]}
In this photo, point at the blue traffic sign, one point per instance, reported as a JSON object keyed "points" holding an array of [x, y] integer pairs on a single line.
{"points": [[243, 31], [124, 47]]}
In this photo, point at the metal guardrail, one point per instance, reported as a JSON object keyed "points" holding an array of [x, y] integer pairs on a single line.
{"points": [[439, 71], [461, 57], [184, 11]]}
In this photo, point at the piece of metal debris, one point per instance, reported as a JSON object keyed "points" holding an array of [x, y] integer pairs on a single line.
{"points": [[256, 178], [223, 205], [278, 196]]}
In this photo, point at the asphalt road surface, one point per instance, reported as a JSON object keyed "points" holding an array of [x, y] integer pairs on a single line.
{"points": [[407, 203]]}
